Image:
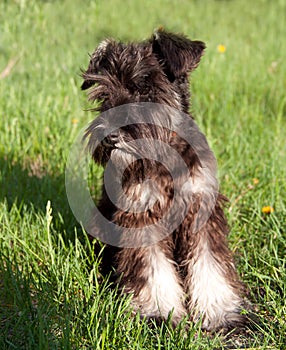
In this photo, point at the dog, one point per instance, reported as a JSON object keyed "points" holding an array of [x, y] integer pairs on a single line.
{"points": [[186, 270]]}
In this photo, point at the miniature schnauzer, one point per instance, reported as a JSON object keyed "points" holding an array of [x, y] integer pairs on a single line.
{"points": [[190, 271]]}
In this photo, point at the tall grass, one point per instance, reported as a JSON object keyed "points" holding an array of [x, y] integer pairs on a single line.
{"points": [[51, 293]]}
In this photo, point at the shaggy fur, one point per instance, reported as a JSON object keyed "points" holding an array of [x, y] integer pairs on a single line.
{"points": [[191, 271]]}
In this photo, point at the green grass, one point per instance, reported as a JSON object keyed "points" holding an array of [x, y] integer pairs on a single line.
{"points": [[51, 293]]}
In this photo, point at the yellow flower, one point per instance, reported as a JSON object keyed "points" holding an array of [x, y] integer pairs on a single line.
{"points": [[221, 48], [267, 209], [74, 121], [255, 181]]}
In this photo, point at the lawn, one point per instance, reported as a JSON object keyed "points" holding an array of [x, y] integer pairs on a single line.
{"points": [[52, 295]]}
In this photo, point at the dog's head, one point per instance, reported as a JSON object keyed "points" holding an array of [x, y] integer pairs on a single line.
{"points": [[155, 70]]}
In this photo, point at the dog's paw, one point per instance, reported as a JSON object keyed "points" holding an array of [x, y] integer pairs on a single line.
{"points": [[238, 318]]}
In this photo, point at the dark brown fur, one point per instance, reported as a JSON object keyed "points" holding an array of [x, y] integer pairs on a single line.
{"points": [[157, 71]]}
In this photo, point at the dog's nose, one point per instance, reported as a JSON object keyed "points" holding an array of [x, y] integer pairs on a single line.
{"points": [[110, 140]]}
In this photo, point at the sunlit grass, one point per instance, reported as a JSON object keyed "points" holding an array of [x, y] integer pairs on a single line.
{"points": [[51, 293]]}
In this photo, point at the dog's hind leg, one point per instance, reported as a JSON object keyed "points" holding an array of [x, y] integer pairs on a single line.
{"points": [[150, 275]]}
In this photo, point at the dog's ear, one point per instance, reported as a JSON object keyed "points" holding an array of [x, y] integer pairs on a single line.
{"points": [[177, 53], [96, 61]]}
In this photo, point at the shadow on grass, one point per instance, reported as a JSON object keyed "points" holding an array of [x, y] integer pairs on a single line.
{"points": [[29, 317], [31, 185]]}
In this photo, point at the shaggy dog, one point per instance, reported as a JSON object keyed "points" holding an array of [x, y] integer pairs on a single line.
{"points": [[183, 269]]}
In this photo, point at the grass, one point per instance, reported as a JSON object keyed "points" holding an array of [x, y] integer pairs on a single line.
{"points": [[51, 293]]}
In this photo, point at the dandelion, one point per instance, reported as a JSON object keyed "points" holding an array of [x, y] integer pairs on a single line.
{"points": [[267, 209], [255, 181], [221, 48], [74, 121]]}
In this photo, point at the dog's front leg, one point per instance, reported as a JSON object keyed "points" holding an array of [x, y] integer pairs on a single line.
{"points": [[211, 282], [150, 275]]}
